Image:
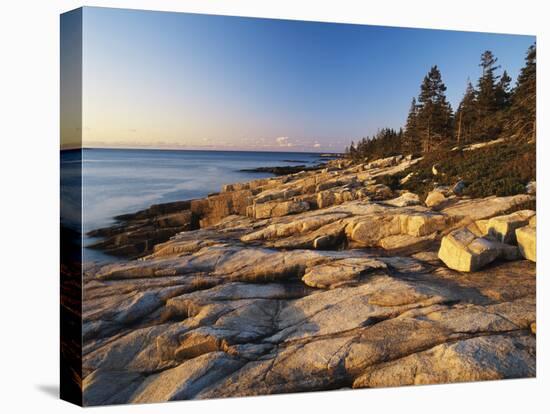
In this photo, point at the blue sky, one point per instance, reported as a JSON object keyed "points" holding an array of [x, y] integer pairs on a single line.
{"points": [[196, 81]]}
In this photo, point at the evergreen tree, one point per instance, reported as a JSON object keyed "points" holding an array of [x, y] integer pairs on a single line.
{"points": [[503, 92], [486, 99], [466, 115], [522, 119], [411, 138], [434, 117]]}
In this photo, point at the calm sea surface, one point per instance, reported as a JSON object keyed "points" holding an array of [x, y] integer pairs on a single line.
{"points": [[116, 181]]}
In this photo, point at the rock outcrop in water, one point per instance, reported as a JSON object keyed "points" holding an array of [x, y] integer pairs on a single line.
{"points": [[317, 280]]}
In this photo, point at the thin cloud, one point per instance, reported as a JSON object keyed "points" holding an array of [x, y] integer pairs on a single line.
{"points": [[284, 142]]}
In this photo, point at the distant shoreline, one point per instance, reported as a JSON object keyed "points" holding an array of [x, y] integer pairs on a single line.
{"points": [[284, 170], [322, 154]]}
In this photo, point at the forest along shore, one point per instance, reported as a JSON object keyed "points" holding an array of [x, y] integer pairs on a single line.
{"points": [[317, 280]]}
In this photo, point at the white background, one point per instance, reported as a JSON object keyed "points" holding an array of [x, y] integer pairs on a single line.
{"points": [[29, 247]]}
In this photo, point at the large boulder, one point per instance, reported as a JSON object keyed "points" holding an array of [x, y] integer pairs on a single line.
{"points": [[503, 228], [436, 199], [461, 250], [527, 241]]}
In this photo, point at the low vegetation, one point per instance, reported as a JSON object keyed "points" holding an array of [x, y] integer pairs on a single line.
{"points": [[503, 169]]}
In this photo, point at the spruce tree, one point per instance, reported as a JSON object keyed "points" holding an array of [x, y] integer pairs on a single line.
{"points": [[411, 139], [486, 99], [522, 119], [503, 92], [434, 117], [466, 115]]}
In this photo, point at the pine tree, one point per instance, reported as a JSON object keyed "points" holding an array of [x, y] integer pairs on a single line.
{"points": [[434, 117], [522, 119], [466, 115]]}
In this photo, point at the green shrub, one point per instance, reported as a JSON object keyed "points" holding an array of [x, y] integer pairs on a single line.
{"points": [[501, 169]]}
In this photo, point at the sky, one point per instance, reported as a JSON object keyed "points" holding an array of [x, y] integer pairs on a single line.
{"points": [[176, 80]]}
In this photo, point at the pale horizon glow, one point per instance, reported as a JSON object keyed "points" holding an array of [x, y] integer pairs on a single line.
{"points": [[187, 81]]}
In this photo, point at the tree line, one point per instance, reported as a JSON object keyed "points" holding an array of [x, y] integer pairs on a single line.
{"points": [[489, 110]]}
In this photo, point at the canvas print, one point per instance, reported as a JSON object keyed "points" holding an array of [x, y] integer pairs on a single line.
{"points": [[259, 206]]}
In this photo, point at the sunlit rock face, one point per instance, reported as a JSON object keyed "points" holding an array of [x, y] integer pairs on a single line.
{"points": [[527, 239], [317, 280]]}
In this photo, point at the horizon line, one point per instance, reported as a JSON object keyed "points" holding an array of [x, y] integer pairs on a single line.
{"points": [[196, 149]]}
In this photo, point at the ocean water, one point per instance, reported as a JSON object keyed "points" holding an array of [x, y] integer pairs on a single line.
{"points": [[117, 181]]}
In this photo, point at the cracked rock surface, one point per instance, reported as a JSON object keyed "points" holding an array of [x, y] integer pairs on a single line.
{"points": [[318, 280]]}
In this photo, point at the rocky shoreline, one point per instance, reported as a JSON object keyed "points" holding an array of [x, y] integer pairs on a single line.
{"points": [[285, 170], [317, 280]]}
